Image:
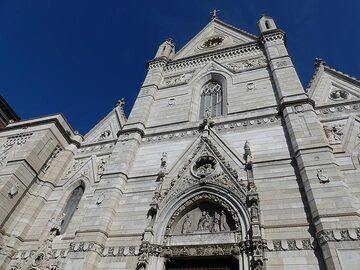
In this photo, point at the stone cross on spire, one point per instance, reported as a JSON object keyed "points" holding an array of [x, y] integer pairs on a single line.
{"points": [[214, 13]]}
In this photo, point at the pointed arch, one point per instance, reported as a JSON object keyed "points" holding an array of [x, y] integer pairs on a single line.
{"points": [[217, 194], [71, 205], [199, 85]]}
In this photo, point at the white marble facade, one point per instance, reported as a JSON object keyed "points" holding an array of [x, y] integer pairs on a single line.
{"points": [[224, 155]]}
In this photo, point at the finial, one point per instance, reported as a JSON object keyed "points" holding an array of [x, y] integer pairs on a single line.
{"points": [[121, 102], [170, 40], [214, 13], [319, 62]]}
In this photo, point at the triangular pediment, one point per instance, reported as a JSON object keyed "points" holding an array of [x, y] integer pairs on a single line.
{"points": [[329, 87], [208, 161], [108, 127], [214, 36]]}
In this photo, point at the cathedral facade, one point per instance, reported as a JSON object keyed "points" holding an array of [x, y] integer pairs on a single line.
{"points": [[225, 162]]}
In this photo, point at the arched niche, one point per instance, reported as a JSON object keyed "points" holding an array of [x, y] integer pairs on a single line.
{"points": [[203, 219], [204, 216]]}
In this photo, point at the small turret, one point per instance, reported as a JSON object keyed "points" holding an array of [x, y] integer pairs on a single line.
{"points": [[166, 49], [266, 23]]}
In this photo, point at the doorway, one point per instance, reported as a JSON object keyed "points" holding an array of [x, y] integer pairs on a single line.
{"points": [[204, 263]]}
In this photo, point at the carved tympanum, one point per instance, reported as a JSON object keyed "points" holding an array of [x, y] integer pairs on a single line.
{"points": [[205, 217]]}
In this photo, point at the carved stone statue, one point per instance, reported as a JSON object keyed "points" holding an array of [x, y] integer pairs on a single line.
{"points": [[186, 227], [247, 154], [222, 221], [254, 211], [106, 134], [204, 222], [101, 165], [334, 134], [323, 178], [216, 225], [13, 190]]}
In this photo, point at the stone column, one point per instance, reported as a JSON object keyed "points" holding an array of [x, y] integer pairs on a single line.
{"points": [[327, 194]]}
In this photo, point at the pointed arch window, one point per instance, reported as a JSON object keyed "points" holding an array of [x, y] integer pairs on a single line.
{"points": [[211, 103], [71, 206]]}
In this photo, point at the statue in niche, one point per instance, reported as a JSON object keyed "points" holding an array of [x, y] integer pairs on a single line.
{"points": [[204, 222], [222, 221], [254, 211], [186, 227], [101, 165], [216, 225]]}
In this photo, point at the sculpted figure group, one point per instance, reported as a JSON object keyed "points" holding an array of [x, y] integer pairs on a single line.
{"points": [[205, 223]]}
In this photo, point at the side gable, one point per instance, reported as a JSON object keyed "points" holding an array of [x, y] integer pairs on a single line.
{"points": [[329, 86], [108, 127], [214, 36]]}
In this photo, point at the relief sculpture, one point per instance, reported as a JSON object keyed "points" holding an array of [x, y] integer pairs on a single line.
{"points": [[205, 218]]}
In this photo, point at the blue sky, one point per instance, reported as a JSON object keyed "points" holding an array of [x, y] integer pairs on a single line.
{"points": [[79, 57]]}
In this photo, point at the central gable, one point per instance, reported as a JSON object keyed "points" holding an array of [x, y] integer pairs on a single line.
{"points": [[216, 35]]}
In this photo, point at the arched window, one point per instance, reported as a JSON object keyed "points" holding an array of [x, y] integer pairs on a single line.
{"points": [[71, 206], [211, 103]]}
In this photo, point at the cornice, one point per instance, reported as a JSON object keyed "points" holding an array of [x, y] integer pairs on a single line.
{"points": [[260, 121], [223, 54], [272, 35], [51, 119], [331, 109]]}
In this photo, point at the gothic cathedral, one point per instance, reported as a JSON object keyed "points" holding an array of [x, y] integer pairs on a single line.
{"points": [[224, 163]]}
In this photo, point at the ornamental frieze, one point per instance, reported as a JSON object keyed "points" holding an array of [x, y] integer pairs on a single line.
{"points": [[247, 64], [339, 235], [225, 55], [177, 79], [247, 123], [289, 245], [335, 109]]}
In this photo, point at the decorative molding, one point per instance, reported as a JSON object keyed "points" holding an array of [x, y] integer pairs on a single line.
{"points": [[223, 55], [246, 123], [177, 79], [12, 144], [338, 235], [120, 251], [338, 108], [273, 36], [247, 64], [291, 245], [86, 246], [97, 147]]}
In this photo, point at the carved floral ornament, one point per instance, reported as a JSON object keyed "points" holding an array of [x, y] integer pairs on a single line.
{"points": [[212, 42]]}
